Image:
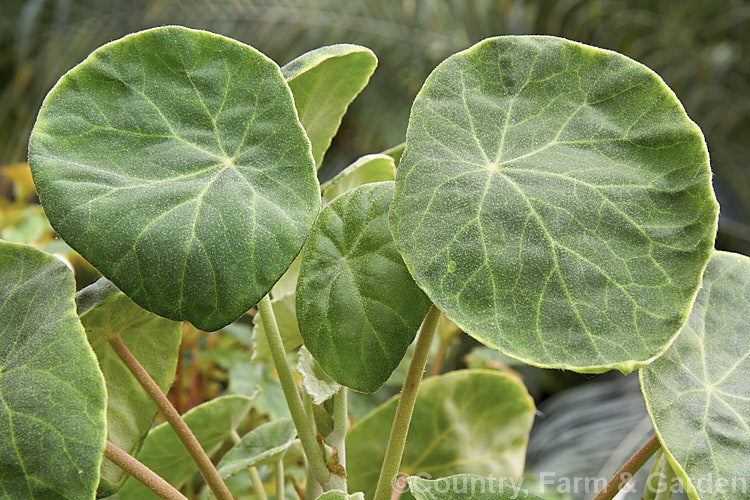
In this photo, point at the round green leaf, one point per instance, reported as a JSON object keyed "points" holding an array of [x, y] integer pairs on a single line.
{"points": [[555, 201], [698, 392], [162, 452], [324, 82], [174, 162], [467, 421], [264, 445], [465, 486], [153, 340], [52, 397], [358, 308]]}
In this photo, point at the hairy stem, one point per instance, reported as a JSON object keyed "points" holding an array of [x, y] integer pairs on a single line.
{"points": [[395, 450], [337, 440], [280, 480], [629, 469], [305, 430], [205, 466], [142, 473]]}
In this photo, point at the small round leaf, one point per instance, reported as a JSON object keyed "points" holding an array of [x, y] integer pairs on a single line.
{"points": [[555, 201], [358, 308], [173, 161], [698, 392]]}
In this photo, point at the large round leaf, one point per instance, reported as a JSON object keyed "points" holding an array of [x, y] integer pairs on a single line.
{"points": [[174, 162], [698, 392], [357, 306], [106, 314], [469, 421], [52, 397], [555, 201]]}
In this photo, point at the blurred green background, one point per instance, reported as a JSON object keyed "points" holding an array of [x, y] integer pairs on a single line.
{"points": [[701, 48]]}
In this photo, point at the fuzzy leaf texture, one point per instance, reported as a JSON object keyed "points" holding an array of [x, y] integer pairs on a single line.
{"points": [[555, 201], [266, 444], [324, 82], [358, 308], [173, 161], [698, 392], [52, 396], [153, 340], [466, 421], [465, 487]]}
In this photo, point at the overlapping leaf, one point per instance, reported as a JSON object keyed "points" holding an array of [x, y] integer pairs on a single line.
{"points": [[162, 452], [324, 82], [261, 446], [470, 421], [698, 392], [52, 396], [106, 313], [173, 161], [555, 201], [357, 306], [369, 168]]}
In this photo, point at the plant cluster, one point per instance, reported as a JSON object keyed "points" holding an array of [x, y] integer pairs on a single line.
{"points": [[552, 200]]}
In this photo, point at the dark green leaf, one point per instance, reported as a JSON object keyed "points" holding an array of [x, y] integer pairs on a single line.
{"points": [[174, 162], [162, 452], [468, 421], [357, 306], [554, 201], [324, 82], [154, 341], [52, 396], [261, 446], [698, 392]]}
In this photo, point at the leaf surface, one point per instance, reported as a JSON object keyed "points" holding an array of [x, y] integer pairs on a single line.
{"points": [[554, 200], [324, 82], [698, 392], [465, 486], [173, 161], [369, 168], [52, 396], [357, 306], [467, 421], [340, 495], [162, 452], [263, 445], [153, 340]]}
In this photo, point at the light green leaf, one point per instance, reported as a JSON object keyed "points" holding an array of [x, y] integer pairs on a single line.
{"points": [[465, 486], [554, 201], [154, 341], [396, 152], [261, 446], [340, 495], [286, 317], [163, 453], [52, 396], [324, 82], [698, 392], [173, 161], [315, 381], [369, 168], [467, 421], [357, 306]]}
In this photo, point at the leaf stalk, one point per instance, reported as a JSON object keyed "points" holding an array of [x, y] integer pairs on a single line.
{"points": [[632, 466], [142, 473]]}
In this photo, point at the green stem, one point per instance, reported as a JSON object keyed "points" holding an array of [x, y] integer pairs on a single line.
{"points": [[142, 473], [395, 450], [629, 469], [280, 480], [183, 432], [305, 430], [649, 492], [665, 482], [337, 440], [260, 492]]}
